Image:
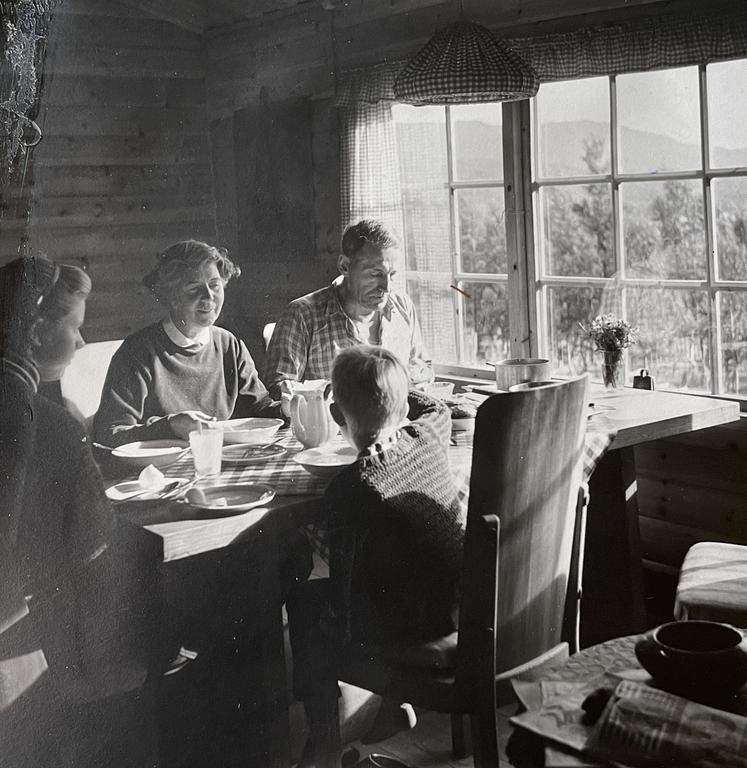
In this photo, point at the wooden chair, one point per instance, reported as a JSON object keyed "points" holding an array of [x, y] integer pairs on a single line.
{"points": [[526, 473], [713, 583], [83, 381], [267, 332]]}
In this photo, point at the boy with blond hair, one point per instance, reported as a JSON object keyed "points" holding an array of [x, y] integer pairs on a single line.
{"points": [[396, 534]]}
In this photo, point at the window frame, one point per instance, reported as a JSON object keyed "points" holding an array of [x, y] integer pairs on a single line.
{"points": [[705, 174], [526, 283], [519, 242]]}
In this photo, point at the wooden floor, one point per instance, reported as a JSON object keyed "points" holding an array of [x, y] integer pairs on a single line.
{"points": [[428, 745]]}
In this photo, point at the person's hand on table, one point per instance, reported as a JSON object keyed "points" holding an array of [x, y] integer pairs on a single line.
{"points": [[187, 421]]}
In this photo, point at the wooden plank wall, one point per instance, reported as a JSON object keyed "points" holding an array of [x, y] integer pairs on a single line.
{"points": [[692, 488], [124, 167]]}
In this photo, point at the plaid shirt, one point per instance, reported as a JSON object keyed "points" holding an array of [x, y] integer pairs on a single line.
{"points": [[315, 327]]}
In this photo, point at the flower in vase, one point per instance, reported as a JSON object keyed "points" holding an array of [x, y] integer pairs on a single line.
{"points": [[611, 333]]}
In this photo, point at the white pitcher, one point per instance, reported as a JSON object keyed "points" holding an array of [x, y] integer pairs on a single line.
{"points": [[311, 420]]}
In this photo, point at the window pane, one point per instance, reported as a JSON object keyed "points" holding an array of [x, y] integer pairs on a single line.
{"points": [[727, 113], [421, 145], [482, 230], [573, 128], [663, 229], [434, 304], [577, 230], [486, 334], [730, 213], [477, 142], [658, 121], [733, 312], [674, 341], [570, 350], [425, 195]]}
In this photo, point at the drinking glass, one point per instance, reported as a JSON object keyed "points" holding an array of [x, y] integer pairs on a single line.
{"points": [[206, 448]]}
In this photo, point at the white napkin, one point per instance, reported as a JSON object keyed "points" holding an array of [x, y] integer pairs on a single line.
{"points": [[151, 479]]}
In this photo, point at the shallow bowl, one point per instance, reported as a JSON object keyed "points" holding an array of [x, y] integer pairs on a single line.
{"points": [[250, 431], [326, 461], [159, 453]]}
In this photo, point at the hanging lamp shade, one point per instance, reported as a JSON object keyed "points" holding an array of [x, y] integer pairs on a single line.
{"points": [[465, 63]]}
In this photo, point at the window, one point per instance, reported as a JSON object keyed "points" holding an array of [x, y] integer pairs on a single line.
{"points": [[451, 170], [640, 208], [638, 189]]}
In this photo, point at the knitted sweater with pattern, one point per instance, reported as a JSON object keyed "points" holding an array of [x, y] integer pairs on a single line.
{"points": [[397, 534]]}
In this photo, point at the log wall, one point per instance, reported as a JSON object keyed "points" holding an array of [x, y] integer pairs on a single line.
{"points": [[124, 167], [692, 488]]}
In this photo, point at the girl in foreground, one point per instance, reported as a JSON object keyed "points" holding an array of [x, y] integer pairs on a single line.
{"points": [[70, 634]]}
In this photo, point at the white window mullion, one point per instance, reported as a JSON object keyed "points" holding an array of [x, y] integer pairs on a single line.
{"points": [[457, 298], [617, 234], [519, 245], [717, 374]]}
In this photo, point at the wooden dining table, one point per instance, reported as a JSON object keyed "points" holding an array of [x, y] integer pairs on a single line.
{"points": [[197, 548], [612, 601]]}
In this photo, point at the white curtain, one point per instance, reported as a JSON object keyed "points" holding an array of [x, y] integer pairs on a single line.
{"points": [[369, 166]]}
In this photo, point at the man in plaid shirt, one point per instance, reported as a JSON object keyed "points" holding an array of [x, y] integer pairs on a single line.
{"points": [[359, 307]]}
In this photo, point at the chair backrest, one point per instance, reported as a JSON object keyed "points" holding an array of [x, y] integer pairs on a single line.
{"points": [[526, 473], [267, 332], [83, 380]]}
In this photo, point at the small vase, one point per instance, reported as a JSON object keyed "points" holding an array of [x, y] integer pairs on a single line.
{"points": [[612, 369]]}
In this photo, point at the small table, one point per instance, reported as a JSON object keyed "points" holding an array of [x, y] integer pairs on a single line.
{"points": [[615, 657]]}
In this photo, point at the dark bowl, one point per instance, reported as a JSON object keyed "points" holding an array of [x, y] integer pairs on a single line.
{"points": [[705, 660]]}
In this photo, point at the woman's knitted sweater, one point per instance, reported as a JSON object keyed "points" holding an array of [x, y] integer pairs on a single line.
{"points": [[397, 534], [150, 377]]}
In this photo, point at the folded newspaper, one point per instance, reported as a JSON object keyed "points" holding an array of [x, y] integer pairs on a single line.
{"points": [[639, 726]]}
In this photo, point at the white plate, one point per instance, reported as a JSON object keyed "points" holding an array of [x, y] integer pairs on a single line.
{"points": [[123, 491], [247, 453], [251, 430], [327, 460], [227, 499], [159, 453]]}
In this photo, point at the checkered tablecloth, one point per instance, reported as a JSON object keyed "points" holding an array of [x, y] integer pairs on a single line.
{"points": [[289, 478], [286, 476]]}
